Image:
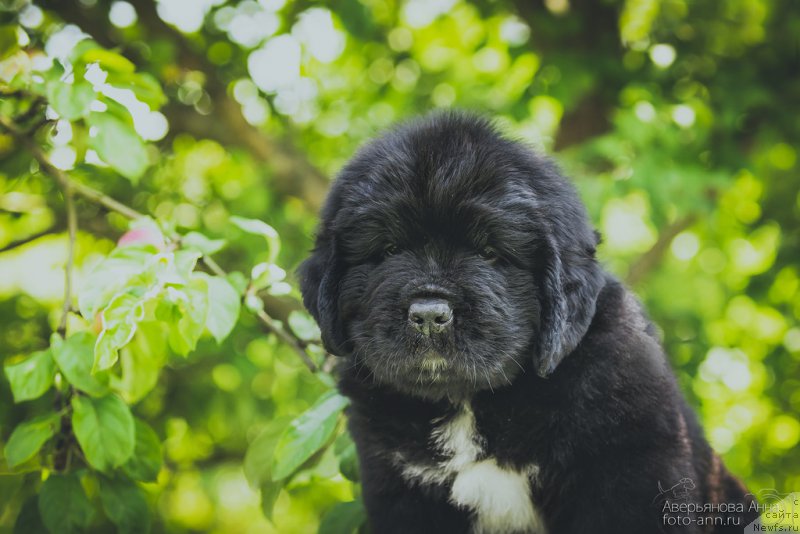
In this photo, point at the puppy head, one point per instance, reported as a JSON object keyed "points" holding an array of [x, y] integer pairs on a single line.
{"points": [[450, 259]]}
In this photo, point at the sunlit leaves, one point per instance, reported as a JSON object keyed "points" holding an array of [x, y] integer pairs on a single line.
{"points": [[120, 319], [71, 101], [258, 463], [145, 463], [8, 39], [189, 308], [223, 310], [118, 144], [637, 19], [105, 430], [304, 326], [199, 242], [29, 519], [307, 434], [124, 503], [63, 505], [109, 60], [345, 450], [75, 357], [254, 226], [266, 275], [111, 275], [31, 377], [144, 86], [28, 438], [143, 232], [343, 518], [142, 281], [141, 361]]}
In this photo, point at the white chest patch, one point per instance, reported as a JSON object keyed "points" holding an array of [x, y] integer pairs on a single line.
{"points": [[499, 497]]}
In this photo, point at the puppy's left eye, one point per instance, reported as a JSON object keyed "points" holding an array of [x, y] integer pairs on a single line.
{"points": [[390, 250], [488, 253]]}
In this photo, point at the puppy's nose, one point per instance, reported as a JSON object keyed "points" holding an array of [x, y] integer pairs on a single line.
{"points": [[430, 316]]}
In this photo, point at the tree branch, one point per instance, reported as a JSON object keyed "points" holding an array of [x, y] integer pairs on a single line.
{"points": [[588, 31], [69, 187], [648, 261], [72, 232], [291, 172], [24, 241]]}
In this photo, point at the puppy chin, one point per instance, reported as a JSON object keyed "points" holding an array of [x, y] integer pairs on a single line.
{"points": [[432, 375]]}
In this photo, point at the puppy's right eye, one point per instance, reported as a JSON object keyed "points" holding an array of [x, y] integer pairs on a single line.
{"points": [[488, 253], [390, 250]]}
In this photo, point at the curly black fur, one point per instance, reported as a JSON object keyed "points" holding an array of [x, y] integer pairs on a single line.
{"points": [[556, 361]]}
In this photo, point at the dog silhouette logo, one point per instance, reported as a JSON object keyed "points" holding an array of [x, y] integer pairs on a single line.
{"points": [[677, 492]]}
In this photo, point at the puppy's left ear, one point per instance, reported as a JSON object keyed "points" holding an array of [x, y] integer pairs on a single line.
{"points": [[569, 283], [319, 280]]}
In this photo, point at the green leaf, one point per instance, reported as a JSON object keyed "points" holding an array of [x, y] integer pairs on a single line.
{"points": [[238, 280], [185, 262], [146, 88], [345, 450], [28, 438], [636, 19], [304, 326], [145, 463], [10, 486], [253, 303], [269, 495], [80, 48], [192, 301], [224, 306], [31, 377], [125, 505], [199, 242], [307, 434], [258, 463], [141, 361], [29, 519], [343, 518], [118, 144], [109, 60], [258, 458], [254, 226], [75, 357], [71, 101], [266, 274], [120, 320], [8, 40], [143, 231], [105, 430], [110, 276], [63, 505]]}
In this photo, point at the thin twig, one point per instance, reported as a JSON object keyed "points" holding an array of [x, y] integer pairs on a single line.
{"points": [[287, 338], [33, 110], [26, 240], [62, 178], [214, 266], [643, 265], [72, 232], [109, 203]]}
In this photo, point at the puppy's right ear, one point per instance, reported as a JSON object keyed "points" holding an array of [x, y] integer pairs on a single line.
{"points": [[319, 280]]}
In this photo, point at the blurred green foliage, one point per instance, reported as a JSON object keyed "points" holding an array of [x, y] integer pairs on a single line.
{"points": [[160, 404]]}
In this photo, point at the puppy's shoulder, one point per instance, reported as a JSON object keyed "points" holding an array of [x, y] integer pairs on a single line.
{"points": [[620, 314], [621, 338]]}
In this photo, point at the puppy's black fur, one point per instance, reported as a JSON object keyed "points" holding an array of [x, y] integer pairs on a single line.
{"points": [[553, 360]]}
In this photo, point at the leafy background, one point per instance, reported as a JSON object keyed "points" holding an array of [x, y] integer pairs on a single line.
{"points": [[174, 155]]}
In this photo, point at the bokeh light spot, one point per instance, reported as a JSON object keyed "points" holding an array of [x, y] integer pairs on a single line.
{"points": [[122, 14]]}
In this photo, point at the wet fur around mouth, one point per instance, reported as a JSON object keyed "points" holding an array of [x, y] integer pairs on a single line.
{"points": [[550, 386]]}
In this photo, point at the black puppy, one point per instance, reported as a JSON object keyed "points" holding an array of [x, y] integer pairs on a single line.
{"points": [[501, 381]]}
